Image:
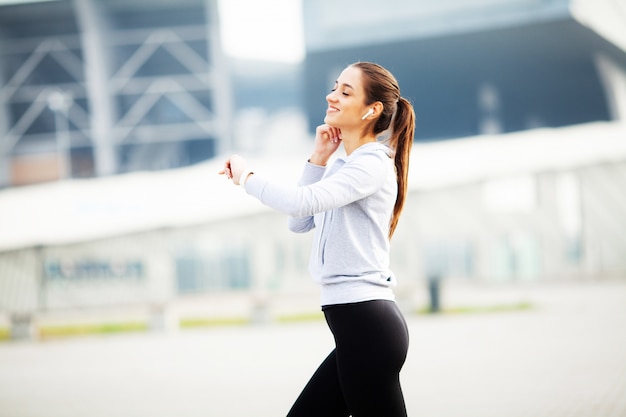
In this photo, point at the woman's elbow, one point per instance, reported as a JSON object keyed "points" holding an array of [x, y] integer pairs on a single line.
{"points": [[300, 225]]}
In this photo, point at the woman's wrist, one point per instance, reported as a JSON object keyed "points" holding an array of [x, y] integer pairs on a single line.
{"points": [[244, 177], [316, 159]]}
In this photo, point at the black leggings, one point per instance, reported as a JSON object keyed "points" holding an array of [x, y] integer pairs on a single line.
{"points": [[361, 376]]}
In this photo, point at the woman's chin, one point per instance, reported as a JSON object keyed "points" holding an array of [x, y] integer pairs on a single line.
{"points": [[330, 120]]}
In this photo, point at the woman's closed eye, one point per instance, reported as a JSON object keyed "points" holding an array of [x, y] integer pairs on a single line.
{"points": [[343, 92]]}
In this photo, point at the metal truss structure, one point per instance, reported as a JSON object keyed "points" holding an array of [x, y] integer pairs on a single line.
{"points": [[128, 90]]}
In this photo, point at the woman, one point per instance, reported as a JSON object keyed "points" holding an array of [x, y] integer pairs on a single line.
{"points": [[354, 206]]}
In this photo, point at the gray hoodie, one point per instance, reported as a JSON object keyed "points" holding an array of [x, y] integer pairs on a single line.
{"points": [[349, 205]]}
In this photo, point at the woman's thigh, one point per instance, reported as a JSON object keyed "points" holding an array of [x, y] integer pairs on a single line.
{"points": [[322, 395], [371, 346]]}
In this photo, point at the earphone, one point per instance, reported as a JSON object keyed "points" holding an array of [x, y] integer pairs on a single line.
{"points": [[370, 111]]}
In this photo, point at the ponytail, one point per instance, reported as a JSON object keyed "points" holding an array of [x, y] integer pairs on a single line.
{"points": [[380, 85], [401, 141]]}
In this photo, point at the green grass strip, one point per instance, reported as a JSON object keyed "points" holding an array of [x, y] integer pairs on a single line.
{"points": [[498, 308], [91, 329], [211, 322], [126, 327], [294, 318]]}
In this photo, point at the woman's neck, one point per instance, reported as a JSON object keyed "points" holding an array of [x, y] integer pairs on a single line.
{"points": [[356, 140]]}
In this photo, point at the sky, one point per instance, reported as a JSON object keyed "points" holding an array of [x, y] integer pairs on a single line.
{"points": [[268, 30]]}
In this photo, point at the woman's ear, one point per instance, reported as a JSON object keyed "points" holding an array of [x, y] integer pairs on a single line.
{"points": [[378, 108], [375, 110]]}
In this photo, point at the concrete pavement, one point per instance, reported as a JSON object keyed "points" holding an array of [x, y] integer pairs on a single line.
{"points": [[565, 357]]}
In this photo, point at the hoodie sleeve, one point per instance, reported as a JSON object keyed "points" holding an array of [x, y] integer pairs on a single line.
{"points": [[357, 178], [310, 175]]}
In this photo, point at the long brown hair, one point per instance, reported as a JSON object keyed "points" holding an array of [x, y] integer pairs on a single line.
{"points": [[381, 85]]}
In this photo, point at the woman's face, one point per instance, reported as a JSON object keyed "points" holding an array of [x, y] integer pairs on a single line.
{"points": [[346, 101]]}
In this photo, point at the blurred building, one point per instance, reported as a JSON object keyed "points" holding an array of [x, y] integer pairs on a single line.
{"points": [[95, 87], [532, 193], [477, 66], [99, 87], [539, 206]]}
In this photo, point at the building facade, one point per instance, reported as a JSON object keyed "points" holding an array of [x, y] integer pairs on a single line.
{"points": [[469, 221], [477, 66]]}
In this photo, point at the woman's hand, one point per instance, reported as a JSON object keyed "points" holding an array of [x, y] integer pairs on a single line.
{"points": [[327, 140], [233, 168]]}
